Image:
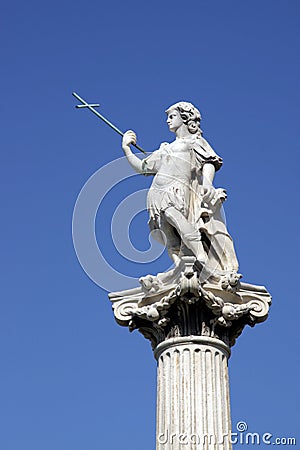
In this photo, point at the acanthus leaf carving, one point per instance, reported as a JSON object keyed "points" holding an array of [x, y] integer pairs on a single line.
{"points": [[179, 304]]}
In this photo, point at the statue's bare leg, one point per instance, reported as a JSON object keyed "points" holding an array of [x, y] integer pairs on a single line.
{"points": [[172, 238], [188, 233]]}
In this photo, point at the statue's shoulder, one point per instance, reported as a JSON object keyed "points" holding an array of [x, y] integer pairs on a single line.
{"points": [[163, 146], [152, 162], [201, 142], [157, 153], [206, 153]]}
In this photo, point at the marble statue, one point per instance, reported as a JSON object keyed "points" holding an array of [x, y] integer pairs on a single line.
{"points": [[184, 207]]}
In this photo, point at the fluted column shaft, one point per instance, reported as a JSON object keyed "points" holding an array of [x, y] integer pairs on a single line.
{"points": [[193, 406]]}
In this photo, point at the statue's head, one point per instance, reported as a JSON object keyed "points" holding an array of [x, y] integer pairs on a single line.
{"points": [[190, 116]]}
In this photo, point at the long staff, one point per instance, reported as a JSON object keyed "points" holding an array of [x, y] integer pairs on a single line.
{"points": [[91, 107]]}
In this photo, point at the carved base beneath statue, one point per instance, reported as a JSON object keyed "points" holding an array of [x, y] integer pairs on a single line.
{"points": [[179, 303], [193, 409]]}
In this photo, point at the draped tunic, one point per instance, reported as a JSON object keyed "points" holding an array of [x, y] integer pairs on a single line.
{"points": [[178, 183], [176, 166]]}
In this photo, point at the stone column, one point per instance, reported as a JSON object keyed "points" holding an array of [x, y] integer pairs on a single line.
{"points": [[193, 410], [192, 325]]}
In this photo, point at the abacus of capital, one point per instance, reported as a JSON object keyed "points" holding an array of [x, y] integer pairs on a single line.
{"points": [[193, 313]]}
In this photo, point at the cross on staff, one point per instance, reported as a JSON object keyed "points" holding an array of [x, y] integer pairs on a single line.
{"points": [[91, 107]]}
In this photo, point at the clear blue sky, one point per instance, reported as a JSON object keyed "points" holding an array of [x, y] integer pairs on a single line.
{"points": [[71, 379]]}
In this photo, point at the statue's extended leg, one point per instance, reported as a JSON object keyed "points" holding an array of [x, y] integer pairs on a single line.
{"points": [[172, 238], [189, 234]]}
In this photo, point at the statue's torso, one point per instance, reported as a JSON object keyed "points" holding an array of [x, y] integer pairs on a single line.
{"points": [[175, 164], [171, 184]]}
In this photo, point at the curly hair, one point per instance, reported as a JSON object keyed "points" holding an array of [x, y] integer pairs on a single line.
{"points": [[190, 115]]}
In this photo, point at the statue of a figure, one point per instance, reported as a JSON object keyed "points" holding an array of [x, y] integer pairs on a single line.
{"points": [[184, 207], [200, 299]]}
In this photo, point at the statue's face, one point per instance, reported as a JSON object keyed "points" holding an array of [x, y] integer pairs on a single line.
{"points": [[174, 120]]}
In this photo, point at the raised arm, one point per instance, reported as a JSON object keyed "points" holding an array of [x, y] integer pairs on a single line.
{"points": [[128, 139]]}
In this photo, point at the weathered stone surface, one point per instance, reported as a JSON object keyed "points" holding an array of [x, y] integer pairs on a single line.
{"points": [[177, 304], [191, 326], [193, 409]]}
